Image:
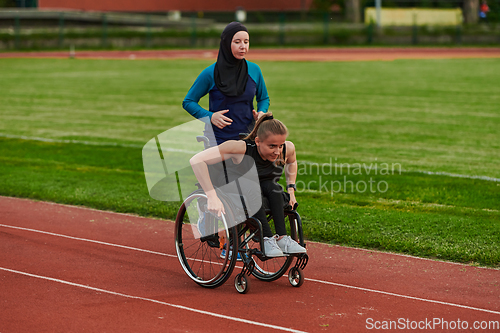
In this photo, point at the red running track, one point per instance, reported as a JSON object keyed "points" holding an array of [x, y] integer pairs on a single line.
{"points": [[72, 269]]}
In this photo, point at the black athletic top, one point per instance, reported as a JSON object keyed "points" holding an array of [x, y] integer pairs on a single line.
{"points": [[227, 172], [266, 170]]}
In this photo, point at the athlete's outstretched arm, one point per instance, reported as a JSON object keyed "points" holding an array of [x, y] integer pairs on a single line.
{"points": [[200, 162]]}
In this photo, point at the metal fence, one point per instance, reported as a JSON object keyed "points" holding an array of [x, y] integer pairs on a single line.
{"points": [[30, 29]]}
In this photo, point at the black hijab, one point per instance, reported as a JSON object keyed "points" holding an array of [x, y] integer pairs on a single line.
{"points": [[230, 74]]}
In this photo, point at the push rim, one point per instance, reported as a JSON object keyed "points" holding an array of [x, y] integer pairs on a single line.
{"points": [[200, 257]]}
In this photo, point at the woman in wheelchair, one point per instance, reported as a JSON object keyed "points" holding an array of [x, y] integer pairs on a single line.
{"points": [[268, 147]]}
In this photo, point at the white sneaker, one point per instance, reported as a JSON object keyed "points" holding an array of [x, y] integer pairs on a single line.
{"points": [[288, 245], [272, 249]]}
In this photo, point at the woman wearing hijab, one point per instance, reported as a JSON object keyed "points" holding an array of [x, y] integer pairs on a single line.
{"points": [[232, 83]]}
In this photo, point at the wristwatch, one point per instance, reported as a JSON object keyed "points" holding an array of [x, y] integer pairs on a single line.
{"points": [[292, 186]]}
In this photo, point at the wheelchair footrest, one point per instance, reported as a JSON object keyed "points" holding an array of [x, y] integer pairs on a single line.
{"points": [[302, 260], [248, 265]]}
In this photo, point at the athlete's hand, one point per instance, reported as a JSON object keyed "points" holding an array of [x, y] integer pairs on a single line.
{"points": [[293, 201], [215, 206], [220, 120], [257, 115]]}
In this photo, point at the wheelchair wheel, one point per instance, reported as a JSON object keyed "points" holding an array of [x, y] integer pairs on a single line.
{"points": [[296, 277], [204, 243], [242, 283], [269, 269]]}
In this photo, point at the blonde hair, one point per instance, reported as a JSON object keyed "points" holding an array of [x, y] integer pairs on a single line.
{"points": [[265, 126]]}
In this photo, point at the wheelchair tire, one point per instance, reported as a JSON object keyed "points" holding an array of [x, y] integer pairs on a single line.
{"points": [[296, 277], [200, 240], [242, 283], [271, 269]]}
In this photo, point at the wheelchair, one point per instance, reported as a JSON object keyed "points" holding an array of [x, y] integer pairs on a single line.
{"points": [[201, 238], [199, 246]]}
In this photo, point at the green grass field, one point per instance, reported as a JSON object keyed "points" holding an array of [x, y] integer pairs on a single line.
{"points": [[401, 156]]}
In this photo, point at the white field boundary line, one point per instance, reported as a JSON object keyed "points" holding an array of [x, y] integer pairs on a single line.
{"points": [[181, 307], [89, 208], [174, 256], [91, 143], [114, 144], [308, 279], [375, 169], [87, 143]]}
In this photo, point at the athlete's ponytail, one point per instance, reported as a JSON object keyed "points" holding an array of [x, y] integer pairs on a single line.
{"points": [[265, 126]]}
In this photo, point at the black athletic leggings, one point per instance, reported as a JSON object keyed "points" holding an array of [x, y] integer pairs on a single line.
{"points": [[274, 194]]}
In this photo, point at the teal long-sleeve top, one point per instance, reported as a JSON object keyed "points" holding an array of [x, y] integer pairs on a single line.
{"points": [[240, 107]]}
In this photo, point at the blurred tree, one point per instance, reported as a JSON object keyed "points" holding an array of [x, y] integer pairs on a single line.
{"points": [[471, 9], [353, 11], [426, 3], [7, 3], [321, 4]]}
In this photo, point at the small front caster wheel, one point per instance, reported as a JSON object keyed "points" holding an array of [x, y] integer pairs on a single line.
{"points": [[242, 283], [296, 277]]}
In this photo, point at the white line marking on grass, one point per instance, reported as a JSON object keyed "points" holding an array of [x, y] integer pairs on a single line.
{"points": [[455, 175], [153, 301], [375, 169], [88, 143], [114, 144], [404, 296], [308, 279], [91, 143]]}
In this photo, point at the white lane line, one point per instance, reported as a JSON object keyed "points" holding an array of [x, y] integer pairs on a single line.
{"points": [[88, 240], [213, 314], [308, 279], [309, 241], [99, 242], [403, 296]]}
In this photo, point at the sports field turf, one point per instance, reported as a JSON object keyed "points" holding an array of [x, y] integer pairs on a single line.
{"points": [[389, 152]]}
